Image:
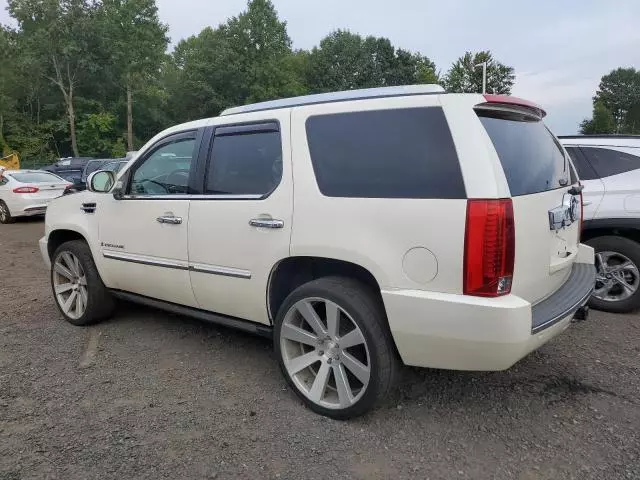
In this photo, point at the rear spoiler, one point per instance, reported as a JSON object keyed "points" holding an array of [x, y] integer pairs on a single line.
{"points": [[512, 103]]}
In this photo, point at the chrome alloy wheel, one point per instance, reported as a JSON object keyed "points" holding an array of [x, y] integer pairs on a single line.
{"points": [[70, 285], [617, 277], [4, 212], [325, 353]]}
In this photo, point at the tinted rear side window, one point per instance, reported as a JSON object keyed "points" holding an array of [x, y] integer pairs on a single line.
{"points": [[531, 158], [607, 162], [405, 153], [245, 164], [585, 171]]}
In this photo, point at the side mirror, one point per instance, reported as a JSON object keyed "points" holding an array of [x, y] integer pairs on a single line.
{"points": [[101, 181]]}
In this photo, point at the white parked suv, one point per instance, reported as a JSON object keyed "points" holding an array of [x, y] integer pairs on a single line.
{"points": [[361, 230], [609, 169]]}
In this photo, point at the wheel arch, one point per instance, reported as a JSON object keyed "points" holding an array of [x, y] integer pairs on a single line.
{"points": [[291, 272], [59, 236], [622, 227]]}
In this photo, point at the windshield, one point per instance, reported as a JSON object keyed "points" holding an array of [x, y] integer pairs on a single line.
{"points": [[92, 167], [36, 177], [114, 166]]}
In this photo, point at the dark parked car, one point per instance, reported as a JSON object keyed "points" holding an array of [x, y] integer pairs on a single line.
{"points": [[112, 164], [70, 168]]}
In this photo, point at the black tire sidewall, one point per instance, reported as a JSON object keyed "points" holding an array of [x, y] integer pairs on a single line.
{"points": [[629, 249], [9, 218], [363, 311], [99, 303]]}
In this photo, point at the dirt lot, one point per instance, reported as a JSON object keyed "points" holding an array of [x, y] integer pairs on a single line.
{"points": [[150, 395]]}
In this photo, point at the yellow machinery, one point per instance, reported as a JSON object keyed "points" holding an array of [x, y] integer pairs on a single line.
{"points": [[11, 162]]}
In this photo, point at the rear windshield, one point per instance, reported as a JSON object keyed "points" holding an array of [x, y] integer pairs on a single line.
{"points": [[403, 153], [531, 157], [36, 177]]}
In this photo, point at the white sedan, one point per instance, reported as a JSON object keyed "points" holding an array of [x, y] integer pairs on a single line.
{"points": [[27, 192]]}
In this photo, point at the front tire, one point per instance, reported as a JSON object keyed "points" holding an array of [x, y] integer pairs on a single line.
{"points": [[5, 214], [80, 295], [334, 348], [618, 277]]}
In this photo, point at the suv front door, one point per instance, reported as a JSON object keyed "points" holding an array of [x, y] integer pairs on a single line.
{"points": [[143, 236], [240, 227]]}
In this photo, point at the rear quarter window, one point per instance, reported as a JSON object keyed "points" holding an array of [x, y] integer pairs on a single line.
{"points": [[403, 153], [585, 171], [532, 159], [607, 162]]}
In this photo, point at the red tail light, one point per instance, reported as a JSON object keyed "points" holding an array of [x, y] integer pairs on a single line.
{"points": [[489, 248], [26, 190]]}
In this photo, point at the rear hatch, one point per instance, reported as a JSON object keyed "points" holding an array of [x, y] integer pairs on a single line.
{"points": [[545, 207]]}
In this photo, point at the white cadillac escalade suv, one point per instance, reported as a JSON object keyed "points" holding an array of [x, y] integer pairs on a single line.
{"points": [[361, 230]]}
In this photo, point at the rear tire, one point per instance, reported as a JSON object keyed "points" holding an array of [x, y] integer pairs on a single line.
{"points": [[616, 251], [80, 295], [5, 214], [345, 363]]}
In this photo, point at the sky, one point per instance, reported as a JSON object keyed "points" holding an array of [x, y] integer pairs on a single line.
{"points": [[559, 49]]}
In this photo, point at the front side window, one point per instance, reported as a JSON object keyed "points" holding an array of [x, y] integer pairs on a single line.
{"points": [[166, 170], [245, 164], [403, 153], [607, 162]]}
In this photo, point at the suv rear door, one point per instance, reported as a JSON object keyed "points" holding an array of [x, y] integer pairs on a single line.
{"points": [[538, 176], [240, 222], [619, 171]]}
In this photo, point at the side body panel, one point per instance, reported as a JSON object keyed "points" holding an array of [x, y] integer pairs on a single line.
{"points": [[404, 243]]}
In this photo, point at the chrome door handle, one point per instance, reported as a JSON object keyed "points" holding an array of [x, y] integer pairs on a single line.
{"points": [[170, 219], [586, 203], [266, 223]]}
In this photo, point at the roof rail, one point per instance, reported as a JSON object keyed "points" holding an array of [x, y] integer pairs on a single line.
{"points": [[602, 135], [343, 96]]}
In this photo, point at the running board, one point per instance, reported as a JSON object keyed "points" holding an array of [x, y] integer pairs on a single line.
{"points": [[224, 320]]}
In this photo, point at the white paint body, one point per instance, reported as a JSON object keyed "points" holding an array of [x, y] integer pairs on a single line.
{"points": [[413, 247], [28, 204], [614, 196]]}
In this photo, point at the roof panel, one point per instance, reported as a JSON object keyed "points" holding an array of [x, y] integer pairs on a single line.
{"points": [[336, 97]]}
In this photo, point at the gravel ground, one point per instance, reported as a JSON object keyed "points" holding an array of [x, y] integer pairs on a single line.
{"points": [[151, 395]]}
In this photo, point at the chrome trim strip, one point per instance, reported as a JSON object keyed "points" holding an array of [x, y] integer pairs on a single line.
{"points": [[217, 270], [177, 264], [193, 197], [145, 260]]}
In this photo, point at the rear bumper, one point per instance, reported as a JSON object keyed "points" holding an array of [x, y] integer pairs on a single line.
{"points": [[21, 208], [458, 332]]}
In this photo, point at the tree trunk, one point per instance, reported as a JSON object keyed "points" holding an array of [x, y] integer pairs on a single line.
{"points": [[72, 126], [129, 118]]}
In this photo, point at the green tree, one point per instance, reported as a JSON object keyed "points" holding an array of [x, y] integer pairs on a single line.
{"points": [[618, 101], [345, 61], [602, 121], [8, 81], [136, 42], [58, 34], [465, 77]]}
